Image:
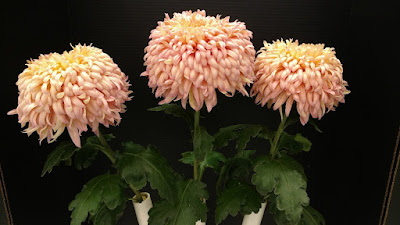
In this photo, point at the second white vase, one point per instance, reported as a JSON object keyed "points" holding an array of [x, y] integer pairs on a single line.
{"points": [[142, 208], [255, 218]]}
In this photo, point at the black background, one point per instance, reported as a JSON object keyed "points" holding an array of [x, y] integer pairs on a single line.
{"points": [[348, 165]]}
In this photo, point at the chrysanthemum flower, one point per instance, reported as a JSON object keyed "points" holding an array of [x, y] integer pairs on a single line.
{"points": [[191, 55], [308, 74], [71, 90]]}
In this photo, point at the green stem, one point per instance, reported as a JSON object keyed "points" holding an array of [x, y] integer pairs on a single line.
{"points": [[107, 149], [110, 154], [195, 128], [201, 173], [219, 180], [274, 145], [196, 120], [138, 195], [195, 169]]}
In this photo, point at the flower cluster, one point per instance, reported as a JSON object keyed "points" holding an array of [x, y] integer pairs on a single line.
{"points": [[191, 55], [188, 57], [73, 90], [308, 74]]}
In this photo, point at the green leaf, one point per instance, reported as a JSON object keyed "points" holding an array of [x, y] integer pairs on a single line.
{"points": [[109, 137], [202, 143], [104, 189], [137, 165], [86, 155], [253, 201], [95, 140], [226, 134], [294, 143], [187, 158], [237, 167], [291, 164], [247, 154], [291, 121], [312, 217], [175, 110], [280, 177], [250, 131], [63, 152], [163, 212], [241, 132], [106, 216], [237, 197], [314, 124], [211, 160], [83, 157], [128, 165], [68, 162], [266, 133], [185, 210], [279, 216]]}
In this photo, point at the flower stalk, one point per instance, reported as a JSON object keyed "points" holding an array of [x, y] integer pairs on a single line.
{"points": [[195, 162], [195, 169], [107, 150], [274, 145]]}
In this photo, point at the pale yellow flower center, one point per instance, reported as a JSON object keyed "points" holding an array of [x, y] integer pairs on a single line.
{"points": [[193, 26], [316, 53]]}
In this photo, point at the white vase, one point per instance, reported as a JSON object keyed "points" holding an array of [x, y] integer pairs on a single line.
{"points": [[142, 208], [255, 218]]}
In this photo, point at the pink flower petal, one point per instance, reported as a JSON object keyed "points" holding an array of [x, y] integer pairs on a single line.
{"points": [[205, 52], [78, 88], [285, 68]]}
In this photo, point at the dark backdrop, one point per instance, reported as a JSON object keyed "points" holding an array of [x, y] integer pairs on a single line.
{"points": [[348, 165]]}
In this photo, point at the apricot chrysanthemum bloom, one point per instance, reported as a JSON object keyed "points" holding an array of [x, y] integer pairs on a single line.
{"points": [[191, 55], [71, 90], [308, 74]]}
